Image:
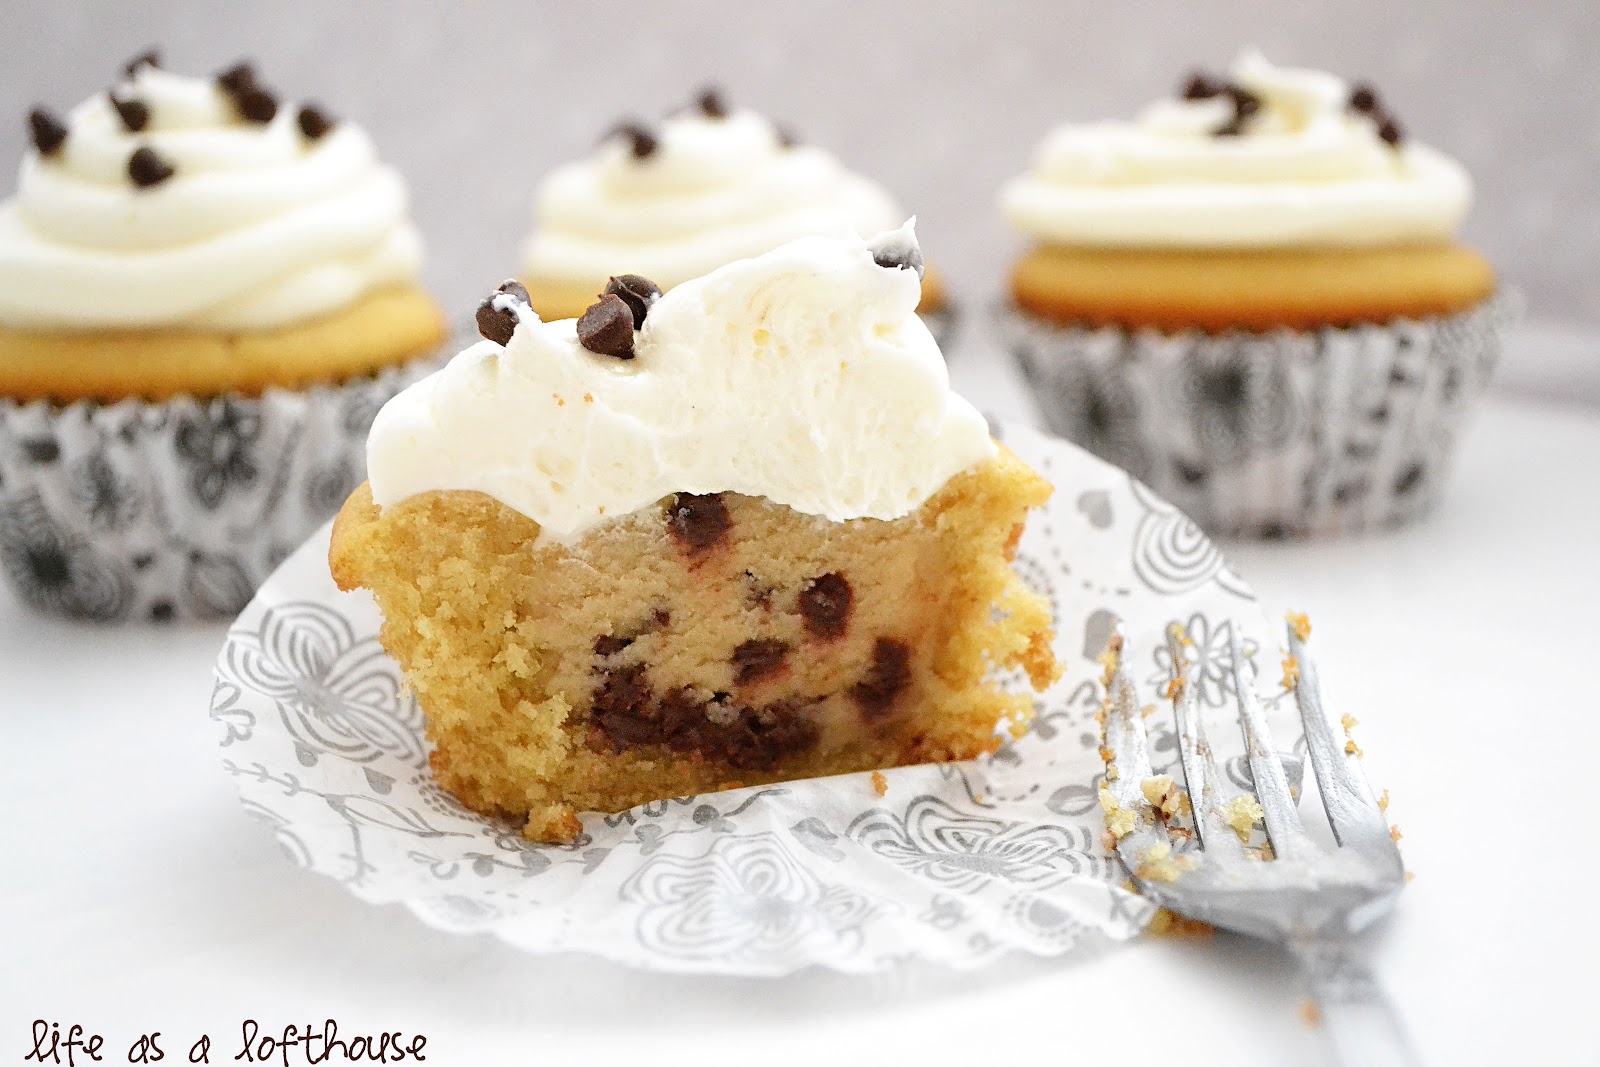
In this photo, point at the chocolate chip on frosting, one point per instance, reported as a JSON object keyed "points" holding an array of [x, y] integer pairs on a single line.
{"points": [[1363, 98], [1202, 86], [637, 292], [254, 103], [147, 168], [1389, 130], [641, 142], [134, 114], [150, 57], [895, 250], [1245, 105], [786, 137], [49, 132], [497, 318], [607, 327], [710, 103], [313, 122]]}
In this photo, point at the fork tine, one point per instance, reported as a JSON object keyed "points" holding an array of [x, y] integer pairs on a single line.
{"points": [[1130, 746], [1353, 813], [1284, 829], [1200, 779]]}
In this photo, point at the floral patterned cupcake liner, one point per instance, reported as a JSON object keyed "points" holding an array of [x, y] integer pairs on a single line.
{"points": [[1280, 434], [179, 509]]}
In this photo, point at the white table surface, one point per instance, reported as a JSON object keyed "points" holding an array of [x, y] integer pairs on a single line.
{"points": [[135, 895]]}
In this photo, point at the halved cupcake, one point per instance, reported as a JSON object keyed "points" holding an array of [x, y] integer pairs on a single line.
{"points": [[205, 294], [674, 200], [737, 533]]}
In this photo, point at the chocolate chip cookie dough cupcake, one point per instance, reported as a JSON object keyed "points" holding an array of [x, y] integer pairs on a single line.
{"points": [[674, 200], [205, 295], [1253, 298]]}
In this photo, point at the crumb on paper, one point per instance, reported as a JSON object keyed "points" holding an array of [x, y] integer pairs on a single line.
{"points": [[1147, 711], [1107, 754], [1383, 801], [1310, 1014], [1166, 923], [1394, 832], [1242, 813], [1352, 749], [1299, 624], [1158, 864], [1291, 672], [1409, 876], [1174, 688], [1349, 722], [588, 398], [880, 784], [1163, 794]]}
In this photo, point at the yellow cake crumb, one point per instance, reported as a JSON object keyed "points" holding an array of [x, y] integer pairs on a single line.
{"points": [[1174, 688], [1242, 813], [1158, 864], [880, 784], [1300, 624], [1163, 795], [1291, 672], [1383, 801], [1167, 923], [1352, 749], [1395, 834], [1310, 1014]]}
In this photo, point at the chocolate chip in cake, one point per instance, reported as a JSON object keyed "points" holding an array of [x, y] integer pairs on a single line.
{"points": [[1363, 98], [825, 605], [641, 142], [761, 738], [638, 292], [710, 103], [313, 122], [757, 594], [898, 249], [758, 658], [1202, 86], [607, 327], [150, 57], [147, 168], [697, 521], [134, 114], [497, 315], [607, 645], [1389, 131], [885, 679], [621, 705], [49, 133]]}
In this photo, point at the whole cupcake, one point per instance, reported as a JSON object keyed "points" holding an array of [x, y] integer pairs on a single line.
{"points": [[703, 187], [1252, 297], [205, 296]]}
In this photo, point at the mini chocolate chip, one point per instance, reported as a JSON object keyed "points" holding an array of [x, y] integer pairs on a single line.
{"points": [[610, 644], [497, 319], [1202, 86], [1232, 128], [786, 137], [1245, 103], [757, 658], [146, 168], [162, 611], [895, 251], [1389, 132], [237, 78], [697, 521], [710, 104], [1363, 98], [825, 605], [607, 327], [313, 121], [884, 680], [150, 57], [134, 114], [256, 105], [641, 142], [49, 132], [639, 293]]}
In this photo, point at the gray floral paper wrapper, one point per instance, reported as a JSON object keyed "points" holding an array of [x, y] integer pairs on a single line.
{"points": [[959, 863], [1282, 434], [140, 510]]}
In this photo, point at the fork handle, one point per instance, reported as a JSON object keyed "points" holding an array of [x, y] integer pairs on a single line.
{"points": [[1356, 1016]]}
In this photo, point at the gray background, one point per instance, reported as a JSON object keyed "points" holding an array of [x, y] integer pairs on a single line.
{"points": [[941, 101]]}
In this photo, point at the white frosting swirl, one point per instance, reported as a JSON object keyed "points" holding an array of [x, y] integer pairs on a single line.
{"points": [[259, 226], [713, 191], [1306, 171], [803, 376]]}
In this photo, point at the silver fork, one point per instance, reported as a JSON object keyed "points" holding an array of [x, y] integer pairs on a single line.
{"points": [[1312, 900]]}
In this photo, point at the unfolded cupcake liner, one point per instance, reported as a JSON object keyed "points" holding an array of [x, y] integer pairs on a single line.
{"points": [[180, 509], [1287, 433]]}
